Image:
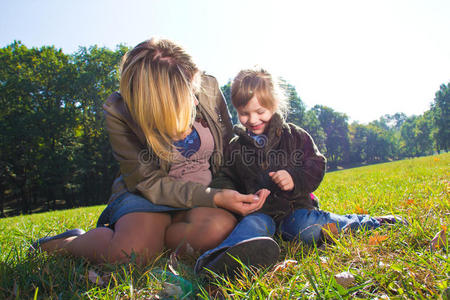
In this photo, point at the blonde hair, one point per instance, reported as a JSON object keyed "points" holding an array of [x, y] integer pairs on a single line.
{"points": [[260, 83], [158, 81]]}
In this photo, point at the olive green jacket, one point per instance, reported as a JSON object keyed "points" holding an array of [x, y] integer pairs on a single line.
{"points": [[284, 146], [141, 172]]}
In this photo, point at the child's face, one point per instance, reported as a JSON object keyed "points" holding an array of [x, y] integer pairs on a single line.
{"points": [[253, 116]]}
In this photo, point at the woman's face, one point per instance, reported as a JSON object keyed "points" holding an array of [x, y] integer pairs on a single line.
{"points": [[253, 116]]}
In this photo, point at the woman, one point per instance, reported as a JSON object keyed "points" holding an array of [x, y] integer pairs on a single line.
{"points": [[167, 129]]}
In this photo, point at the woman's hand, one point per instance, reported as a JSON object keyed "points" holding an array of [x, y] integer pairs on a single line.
{"points": [[240, 203]]}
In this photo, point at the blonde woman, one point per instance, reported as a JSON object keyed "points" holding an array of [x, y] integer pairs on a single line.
{"points": [[167, 129]]}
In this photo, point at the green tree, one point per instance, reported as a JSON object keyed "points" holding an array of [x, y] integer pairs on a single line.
{"points": [[358, 142], [379, 146], [408, 145], [416, 134], [97, 77], [37, 118], [394, 121], [441, 117], [296, 113], [335, 127], [53, 141], [423, 133], [312, 125], [372, 143], [226, 90]]}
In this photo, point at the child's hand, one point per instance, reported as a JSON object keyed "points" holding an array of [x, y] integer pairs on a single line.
{"points": [[283, 179]]}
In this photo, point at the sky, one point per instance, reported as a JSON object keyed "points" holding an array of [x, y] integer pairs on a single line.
{"points": [[359, 57]]}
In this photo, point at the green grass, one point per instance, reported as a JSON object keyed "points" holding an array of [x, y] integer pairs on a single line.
{"points": [[399, 264]]}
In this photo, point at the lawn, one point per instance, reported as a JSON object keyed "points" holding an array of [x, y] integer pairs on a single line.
{"points": [[387, 263]]}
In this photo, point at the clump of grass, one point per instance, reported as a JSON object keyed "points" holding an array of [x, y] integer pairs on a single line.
{"points": [[389, 262]]}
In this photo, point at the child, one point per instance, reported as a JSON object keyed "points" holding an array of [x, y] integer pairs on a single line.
{"points": [[270, 153]]}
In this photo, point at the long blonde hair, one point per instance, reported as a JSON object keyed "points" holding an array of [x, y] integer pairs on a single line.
{"points": [[158, 84], [260, 83]]}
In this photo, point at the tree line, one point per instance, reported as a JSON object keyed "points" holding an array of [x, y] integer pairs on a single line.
{"points": [[55, 153]]}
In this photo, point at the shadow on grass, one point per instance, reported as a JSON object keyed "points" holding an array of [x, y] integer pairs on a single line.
{"points": [[43, 276]]}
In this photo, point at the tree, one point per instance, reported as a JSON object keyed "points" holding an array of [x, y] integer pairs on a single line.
{"points": [[312, 125], [53, 140], [37, 120], [394, 121], [226, 90], [416, 133], [337, 141], [378, 144], [441, 117], [423, 133], [97, 77], [372, 143], [358, 142], [296, 113]]}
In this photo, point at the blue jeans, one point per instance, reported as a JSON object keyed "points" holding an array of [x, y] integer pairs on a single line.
{"points": [[306, 225], [303, 224]]}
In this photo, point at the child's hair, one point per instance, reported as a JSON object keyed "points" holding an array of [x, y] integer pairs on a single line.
{"points": [[259, 83], [158, 84]]}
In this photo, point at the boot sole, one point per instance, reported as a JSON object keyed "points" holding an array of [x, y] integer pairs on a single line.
{"points": [[257, 252]]}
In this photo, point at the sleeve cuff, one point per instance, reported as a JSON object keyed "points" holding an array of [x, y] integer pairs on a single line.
{"points": [[204, 196]]}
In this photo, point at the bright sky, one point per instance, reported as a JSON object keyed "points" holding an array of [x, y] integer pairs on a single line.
{"points": [[360, 57]]}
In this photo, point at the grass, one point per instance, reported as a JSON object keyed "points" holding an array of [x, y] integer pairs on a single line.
{"points": [[388, 263]]}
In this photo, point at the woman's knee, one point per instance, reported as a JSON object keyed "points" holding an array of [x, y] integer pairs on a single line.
{"points": [[138, 252], [139, 236], [213, 223]]}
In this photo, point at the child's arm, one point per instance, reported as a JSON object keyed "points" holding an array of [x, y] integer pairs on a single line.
{"points": [[308, 165], [227, 177], [224, 180]]}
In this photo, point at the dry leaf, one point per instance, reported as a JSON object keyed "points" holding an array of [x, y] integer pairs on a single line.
{"points": [[377, 239], [95, 278], [214, 291], [189, 250], [173, 263], [323, 260], [284, 265], [439, 239], [346, 279], [360, 210], [171, 290], [330, 231], [410, 201]]}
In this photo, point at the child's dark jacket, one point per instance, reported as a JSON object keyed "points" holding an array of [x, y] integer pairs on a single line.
{"points": [[284, 146]]}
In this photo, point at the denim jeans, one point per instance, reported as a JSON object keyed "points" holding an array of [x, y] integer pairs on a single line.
{"points": [[253, 225], [304, 224]]}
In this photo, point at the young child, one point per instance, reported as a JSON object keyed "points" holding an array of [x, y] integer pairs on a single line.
{"points": [[269, 153]]}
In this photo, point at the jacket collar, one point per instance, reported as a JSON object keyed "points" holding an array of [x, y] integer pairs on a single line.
{"points": [[272, 133]]}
